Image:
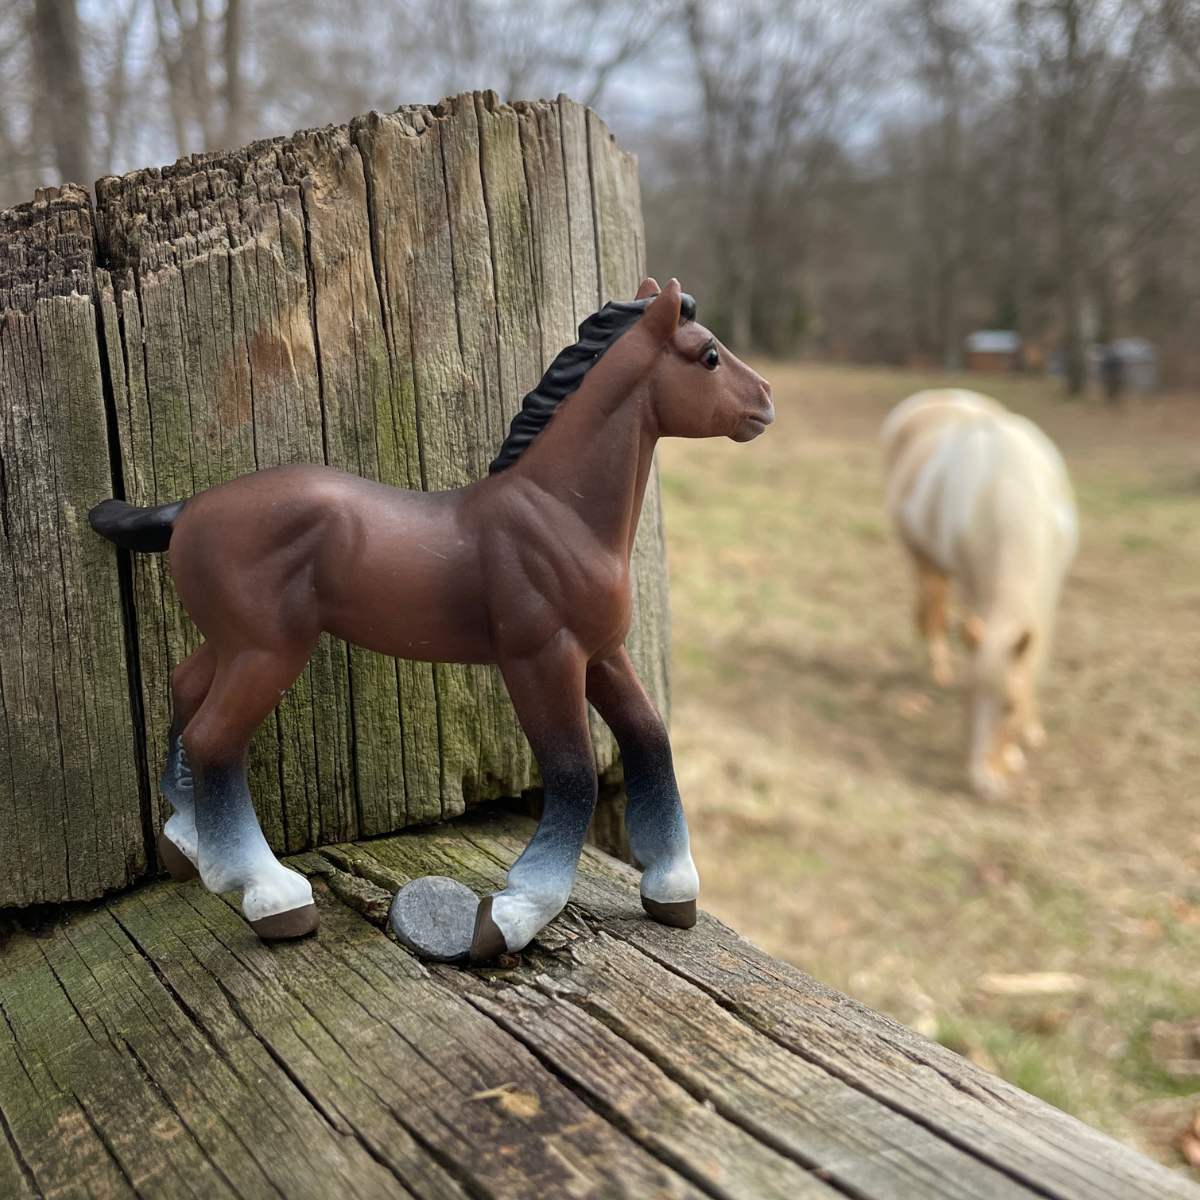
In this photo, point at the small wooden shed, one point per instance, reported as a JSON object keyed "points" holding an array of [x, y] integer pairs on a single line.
{"points": [[993, 350]]}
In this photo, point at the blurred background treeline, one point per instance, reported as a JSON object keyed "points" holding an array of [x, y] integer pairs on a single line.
{"points": [[859, 180]]}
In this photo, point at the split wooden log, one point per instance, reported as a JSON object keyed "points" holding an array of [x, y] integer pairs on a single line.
{"points": [[377, 296], [70, 814]]}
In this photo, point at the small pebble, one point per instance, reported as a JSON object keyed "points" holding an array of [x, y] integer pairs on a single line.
{"points": [[435, 918]]}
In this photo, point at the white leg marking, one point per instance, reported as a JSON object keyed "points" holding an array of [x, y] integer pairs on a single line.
{"points": [[672, 881], [520, 914], [180, 829]]}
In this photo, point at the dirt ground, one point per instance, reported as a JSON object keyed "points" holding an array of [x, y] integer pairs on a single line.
{"points": [[1053, 937]]}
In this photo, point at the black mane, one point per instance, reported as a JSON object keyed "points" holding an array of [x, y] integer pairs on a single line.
{"points": [[566, 372]]}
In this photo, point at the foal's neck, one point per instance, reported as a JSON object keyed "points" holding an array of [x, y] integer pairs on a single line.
{"points": [[595, 457]]}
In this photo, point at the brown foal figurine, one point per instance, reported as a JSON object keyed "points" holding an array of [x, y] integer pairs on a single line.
{"points": [[527, 568]]}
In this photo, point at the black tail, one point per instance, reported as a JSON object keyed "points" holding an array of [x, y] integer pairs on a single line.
{"points": [[147, 530]]}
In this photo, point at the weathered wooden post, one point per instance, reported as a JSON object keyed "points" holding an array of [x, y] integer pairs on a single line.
{"points": [[70, 813], [377, 296]]}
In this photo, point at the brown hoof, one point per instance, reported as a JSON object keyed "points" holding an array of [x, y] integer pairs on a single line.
{"points": [[488, 942], [170, 856], [682, 915], [294, 923]]}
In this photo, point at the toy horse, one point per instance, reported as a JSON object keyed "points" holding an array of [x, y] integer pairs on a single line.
{"points": [[527, 568]]}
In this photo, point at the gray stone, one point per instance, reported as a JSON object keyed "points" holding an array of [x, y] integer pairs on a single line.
{"points": [[435, 918]]}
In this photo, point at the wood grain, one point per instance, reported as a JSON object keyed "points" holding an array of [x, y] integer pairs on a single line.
{"points": [[152, 1045], [70, 811], [965, 1107]]}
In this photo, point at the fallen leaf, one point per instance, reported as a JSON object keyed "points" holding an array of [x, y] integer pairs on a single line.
{"points": [[992, 875], [1034, 983], [1176, 1047], [514, 1100], [1051, 1019], [912, 705], [1183, 911]]}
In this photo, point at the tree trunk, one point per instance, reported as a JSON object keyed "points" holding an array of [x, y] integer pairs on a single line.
{"points": [[235, 89], [65, 95], [378, 296]]}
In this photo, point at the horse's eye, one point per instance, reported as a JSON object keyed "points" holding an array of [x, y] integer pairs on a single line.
{"points": [[711, 358]]}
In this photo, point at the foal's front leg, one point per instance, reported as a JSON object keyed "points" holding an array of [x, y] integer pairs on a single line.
{"points": [[658, 832], [547, 690]]}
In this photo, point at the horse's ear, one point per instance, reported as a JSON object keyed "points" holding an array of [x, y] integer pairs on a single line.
{"points": [[662, 315], [649, 288]]}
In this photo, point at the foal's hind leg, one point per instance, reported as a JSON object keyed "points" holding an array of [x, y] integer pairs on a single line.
{"points": [[233, 854], [933, 592], [658, 832], [190, 682], [547, 692]]}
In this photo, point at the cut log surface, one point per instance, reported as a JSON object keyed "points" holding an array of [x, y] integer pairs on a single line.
{"points": [[152, 1046], [377, 296]]}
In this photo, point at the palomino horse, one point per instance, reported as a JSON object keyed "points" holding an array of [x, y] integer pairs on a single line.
{"points": [[980, 497], [527, 568]]}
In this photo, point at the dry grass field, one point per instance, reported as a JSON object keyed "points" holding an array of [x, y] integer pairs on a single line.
{"points": [[824, 774]]}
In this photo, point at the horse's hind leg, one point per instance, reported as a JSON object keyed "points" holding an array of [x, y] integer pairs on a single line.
{"points": [[547, 692], [933, 592], [658, 832], [233, 854], [190, 682]]}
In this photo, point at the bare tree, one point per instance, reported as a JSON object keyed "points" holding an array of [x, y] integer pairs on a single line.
{"points": [[234, 89], [1086, 65], [773, 77], [870, 178], [944, 39], [63, 91]]}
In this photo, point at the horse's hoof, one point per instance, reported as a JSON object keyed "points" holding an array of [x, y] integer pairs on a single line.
{"points": [[177, 863], [293, 923], [682, 915], [488, 942]]}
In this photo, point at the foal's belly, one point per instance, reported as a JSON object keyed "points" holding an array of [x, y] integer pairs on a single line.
{"points": [[404, 581], [407, 631]]}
